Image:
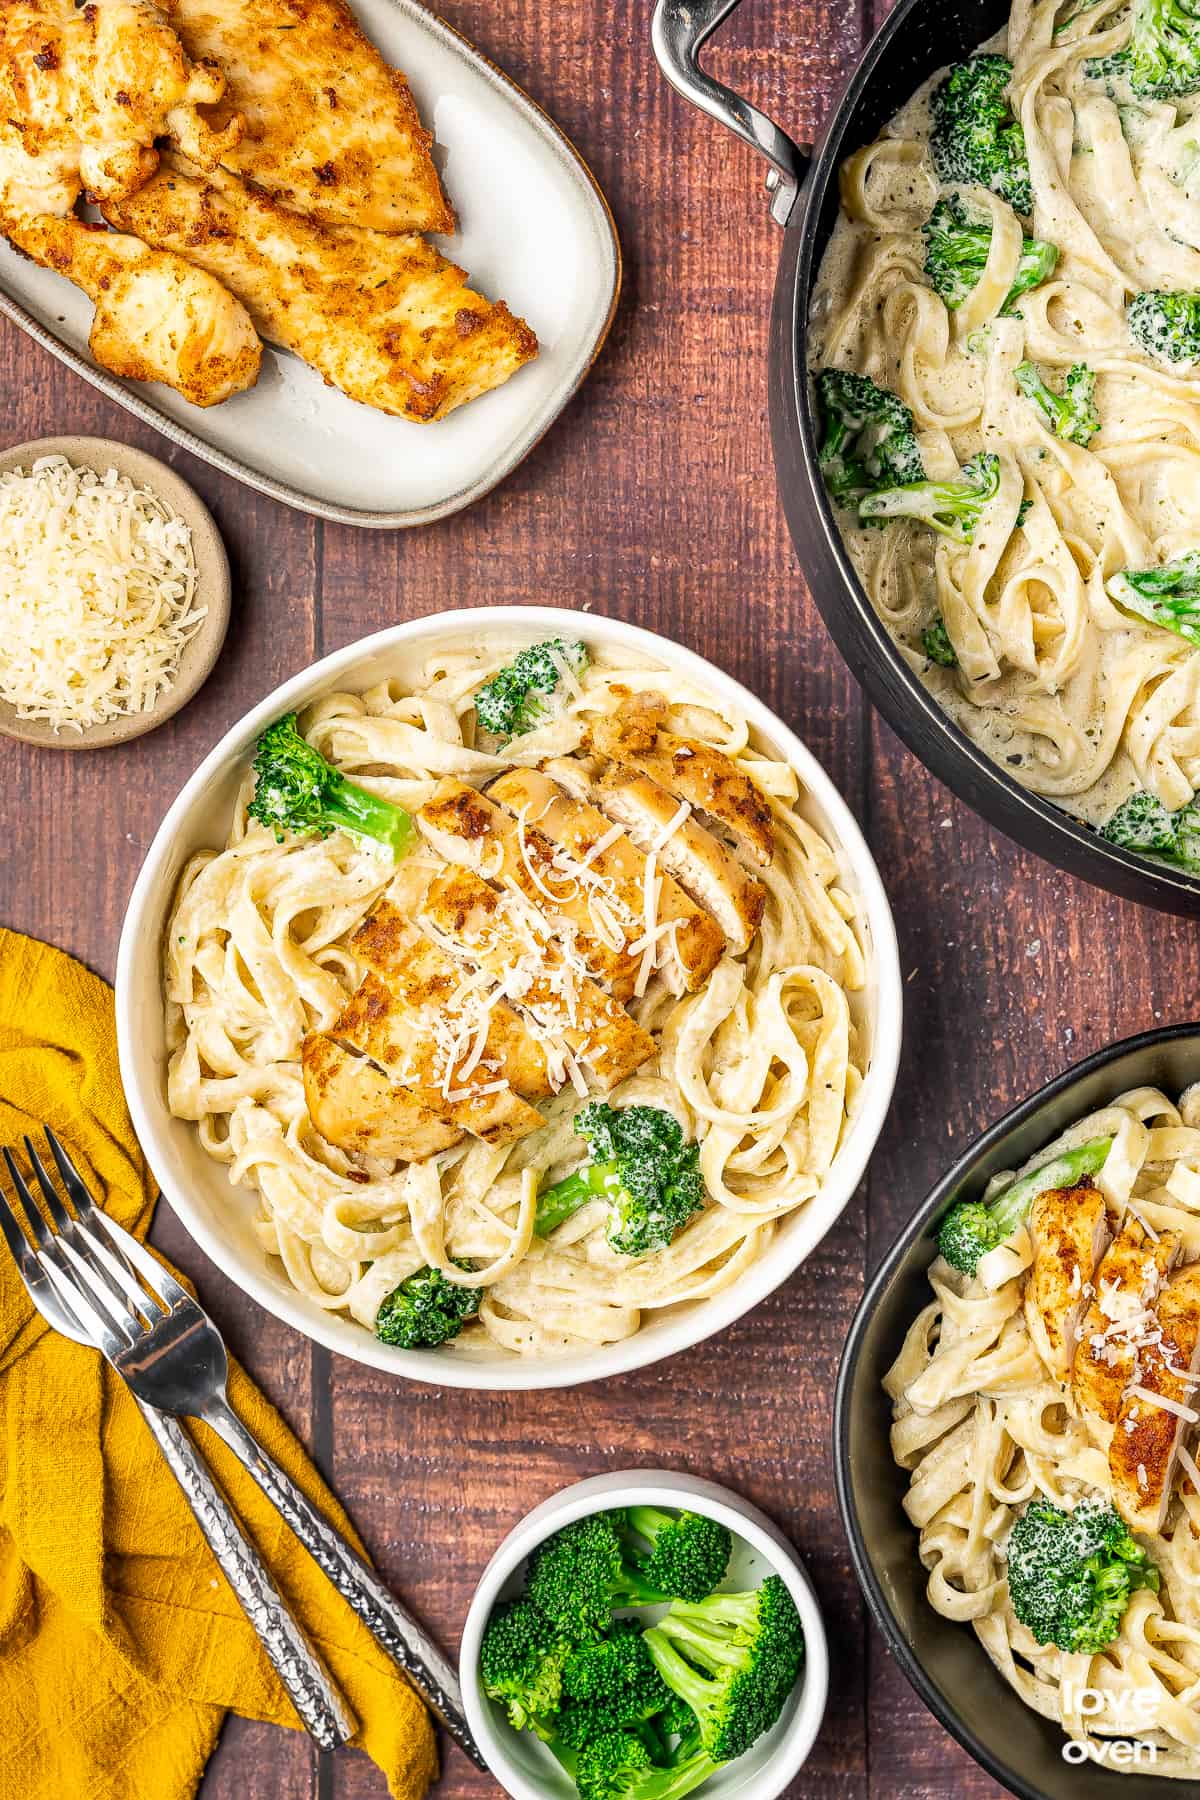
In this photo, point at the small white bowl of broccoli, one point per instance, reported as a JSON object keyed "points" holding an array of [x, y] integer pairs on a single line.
{"points": [[644, 1635]]}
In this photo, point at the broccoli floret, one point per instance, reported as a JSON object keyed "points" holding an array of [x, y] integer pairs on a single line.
{"points": [[616, 1676], [1162, 58], [1168, 596], [521, 696], [949, 507], [957, 240], [426, 1310], [295, 789], [869, 438], [975, 139], [521, 1663], [1142, 823], [747, 1650], [688, 1553], [1070, 415], [641, 1166], [973, 1227], [580, 1576], [616, 1765], [935, 642], [1070, 1574], [1166, 325]]}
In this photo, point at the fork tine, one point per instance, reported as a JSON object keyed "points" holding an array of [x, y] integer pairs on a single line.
{"points": [[33, 1219], [15, 1238], [58, 1211], [120, 1281], [72, 1180], [54, 1249], [159, 1280], [116, 1248]]}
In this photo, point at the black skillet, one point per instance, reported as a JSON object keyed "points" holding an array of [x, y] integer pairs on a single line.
{"points": [[918, 38]]}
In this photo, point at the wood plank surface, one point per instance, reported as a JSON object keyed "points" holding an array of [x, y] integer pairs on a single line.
{"points": [[653, 499]]}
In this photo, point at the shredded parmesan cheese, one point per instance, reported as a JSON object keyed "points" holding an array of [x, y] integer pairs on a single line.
{"points": [[1168, 1405], [97, 595]]}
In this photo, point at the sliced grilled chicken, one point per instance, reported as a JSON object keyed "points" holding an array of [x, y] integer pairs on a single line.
{"points": [[1146, 1438], [578, 828], [690, 770], [1069, 1229], [471, 831], [477, 1093], [1127, 1281], [487, 928], [354, 1105], [700, 863]]}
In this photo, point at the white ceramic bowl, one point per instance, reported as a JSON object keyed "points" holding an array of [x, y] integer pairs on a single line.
{"points": [[521, 1762], [219, 1216]]}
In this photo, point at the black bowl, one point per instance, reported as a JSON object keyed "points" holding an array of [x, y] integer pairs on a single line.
{"points": [[944, 1661]]}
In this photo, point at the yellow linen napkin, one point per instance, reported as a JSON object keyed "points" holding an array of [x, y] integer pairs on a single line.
{"points": [[121, 1647]]}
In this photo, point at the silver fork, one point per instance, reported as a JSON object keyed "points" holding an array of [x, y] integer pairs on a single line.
{"points": [[166, 1347], [309, 1686]]}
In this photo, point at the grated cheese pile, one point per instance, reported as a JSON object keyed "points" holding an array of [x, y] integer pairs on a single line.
{"points": [[97, 595]]}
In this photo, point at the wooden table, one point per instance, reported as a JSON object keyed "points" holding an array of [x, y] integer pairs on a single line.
{"points": [[652, 499]]}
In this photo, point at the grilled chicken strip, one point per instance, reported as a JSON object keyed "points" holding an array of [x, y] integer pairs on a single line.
{"points": [[1146, 1438], [700, 863], [328, 128], [1069, 1228], [471, 831], [481, 926], [1127, 1282], [157, 317], [354, 1105], [577, 828], [690, 770], [386, 319]]}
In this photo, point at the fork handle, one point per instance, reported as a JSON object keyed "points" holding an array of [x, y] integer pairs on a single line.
{"points": [[405, 1641], [307, 1681]]}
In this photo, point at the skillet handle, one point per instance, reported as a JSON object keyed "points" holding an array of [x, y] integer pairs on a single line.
{"points": [[680, 31]]}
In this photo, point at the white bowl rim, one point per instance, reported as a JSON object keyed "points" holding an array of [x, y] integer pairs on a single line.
{"points": [[653, 1487], [693, 1324]]}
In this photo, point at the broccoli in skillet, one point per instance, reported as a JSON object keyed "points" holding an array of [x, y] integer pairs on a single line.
{"points": [[1166, 325], [975, 139], [521, 1662], [641, 1166], [973, 1227], [1161, 61], [426, 1310], [580, 1576], [295, 789], [949, 507], [526, 691], [1142, 823], [1168, 596], [869, 440], [1071, 1574], [935, 642], [957, 240], [1070, 415]]}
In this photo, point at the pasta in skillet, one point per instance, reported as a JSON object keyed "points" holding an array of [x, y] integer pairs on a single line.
{"points": [[1039, 321], [1064, 1370], [742, 1031]]}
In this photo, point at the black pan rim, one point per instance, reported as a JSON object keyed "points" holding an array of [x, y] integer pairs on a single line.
{"points": [[906, 704], [927, 1210]]}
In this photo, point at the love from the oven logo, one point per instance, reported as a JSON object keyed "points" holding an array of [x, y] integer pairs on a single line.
{"points": [[1131, 1709]]}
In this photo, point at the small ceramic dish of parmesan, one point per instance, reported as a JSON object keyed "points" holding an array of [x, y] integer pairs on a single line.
{"points": [[114, 592]]}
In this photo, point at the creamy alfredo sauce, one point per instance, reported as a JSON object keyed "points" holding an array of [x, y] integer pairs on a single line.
{"points": [[1054, 682]]}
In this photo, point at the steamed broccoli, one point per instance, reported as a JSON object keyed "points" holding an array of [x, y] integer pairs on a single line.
{"points": [[1168, 596], [1142, 823], [616, 1765], [735, 1659], [949, 507], [973, 1227], [1070, 1574], [1166, 325], [1161, 61], [688, 1553], [869, 438], [935, 642], [641, 1166], [521, 1663], [426, 1310], [1070, 415], [518, 697], [957, 240], [295, 789], [580, 1576], [975, 139]]}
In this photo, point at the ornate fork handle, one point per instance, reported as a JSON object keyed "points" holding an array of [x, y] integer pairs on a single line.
{"points": [[355, 1580], [300, 1669]]}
